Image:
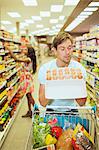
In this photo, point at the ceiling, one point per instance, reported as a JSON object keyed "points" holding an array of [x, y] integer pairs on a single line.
{"points": [[89, 22], [26, 12]]}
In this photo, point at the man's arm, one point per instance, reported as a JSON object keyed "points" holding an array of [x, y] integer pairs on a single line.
{"points": [[43, 101], [81, 101]]}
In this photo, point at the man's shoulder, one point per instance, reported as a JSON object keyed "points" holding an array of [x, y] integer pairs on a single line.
{"points": [[76, 63], [49, 63]]}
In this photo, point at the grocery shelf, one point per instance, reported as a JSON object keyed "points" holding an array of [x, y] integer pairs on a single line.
{"points": [[1, 71], [91, 95], [90, 84], [11, 60], [1, 47], [11, 67], [14, 94], [1, 38], [4, 83], [92, 74], [3, 99], [10, 40], [2, 53], [4, 133], [6, 39], [15, 51], [92, 61], [2, 62], [90, 88], [11, 74]]}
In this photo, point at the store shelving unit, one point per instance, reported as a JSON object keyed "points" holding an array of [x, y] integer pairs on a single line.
{"points": [[10, 72], [87, 53]]}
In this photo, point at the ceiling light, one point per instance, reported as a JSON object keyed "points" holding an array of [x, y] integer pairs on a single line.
{"points": [[59, 25], [14, 14], [44, 13], [29, 21], [94, 4], [5, 22], [36, 18], [13, 30], [86, 13], [91, 9], [23, 24], [78, 18], [57, 30], [56, 8], [46, 29], [53, 20], [71, 2], [61, 17], [39, 26], [54, 27], [30, 2], [75, 23], [83, 16]]}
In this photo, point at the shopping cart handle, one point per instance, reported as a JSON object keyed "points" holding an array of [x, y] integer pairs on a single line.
{"points": [[71, 107]]}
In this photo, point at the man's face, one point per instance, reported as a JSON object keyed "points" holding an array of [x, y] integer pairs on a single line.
{"points": [[64, 51]]}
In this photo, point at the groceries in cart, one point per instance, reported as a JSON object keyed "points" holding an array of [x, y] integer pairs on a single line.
{"points": [[49, 131], [81, 139]]}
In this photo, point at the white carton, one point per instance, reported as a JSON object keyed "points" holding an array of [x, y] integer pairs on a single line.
{"points": [[65, 89]]}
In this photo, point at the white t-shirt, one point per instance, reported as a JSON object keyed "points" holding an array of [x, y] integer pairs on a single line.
{"points": [[52, 65]]}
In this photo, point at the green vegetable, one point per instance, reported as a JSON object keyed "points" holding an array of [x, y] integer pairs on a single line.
{"points": [[40, 131]]}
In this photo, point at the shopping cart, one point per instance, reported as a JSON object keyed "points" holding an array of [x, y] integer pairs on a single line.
{"points": [[85, 116]]}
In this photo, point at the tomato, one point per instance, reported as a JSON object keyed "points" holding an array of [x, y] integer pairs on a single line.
{"points": [[56, 131]]}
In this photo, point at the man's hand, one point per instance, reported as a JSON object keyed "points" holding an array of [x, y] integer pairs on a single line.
{"points": [[81, 101], [43, 101]]}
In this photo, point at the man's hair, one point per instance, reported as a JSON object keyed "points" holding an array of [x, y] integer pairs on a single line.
{"points": [[61, 37]]}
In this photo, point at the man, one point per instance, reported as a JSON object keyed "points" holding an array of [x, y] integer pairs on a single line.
{"points": [[63, 49]]}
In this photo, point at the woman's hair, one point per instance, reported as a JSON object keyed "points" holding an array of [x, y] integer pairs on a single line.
{"points": [[61, 37], [32, 56]]}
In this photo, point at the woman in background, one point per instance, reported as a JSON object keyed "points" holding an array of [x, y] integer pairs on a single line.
{"points": [[29, 69]]}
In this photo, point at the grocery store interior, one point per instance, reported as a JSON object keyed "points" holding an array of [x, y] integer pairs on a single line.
{"points": [[36, 23]]}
